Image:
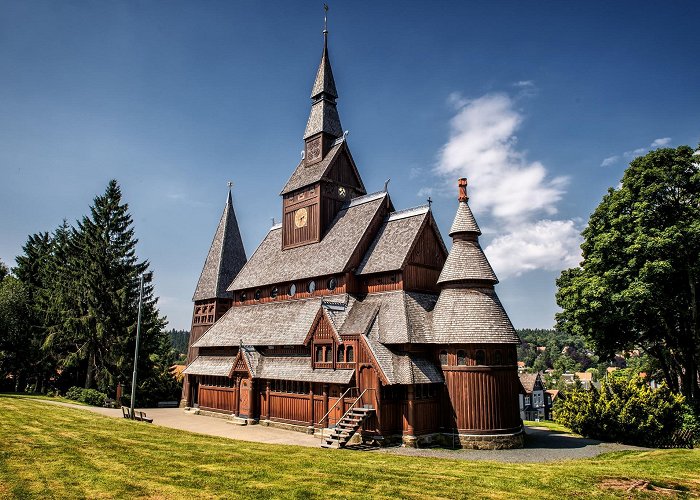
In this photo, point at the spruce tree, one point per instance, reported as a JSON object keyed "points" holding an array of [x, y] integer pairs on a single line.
{"points": [[106, 271]]}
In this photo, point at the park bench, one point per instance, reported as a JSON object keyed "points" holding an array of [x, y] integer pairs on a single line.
{"points": [[138, 415]]}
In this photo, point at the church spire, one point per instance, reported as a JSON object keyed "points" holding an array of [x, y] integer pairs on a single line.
{"points": [[225, 259], [324, 114]]}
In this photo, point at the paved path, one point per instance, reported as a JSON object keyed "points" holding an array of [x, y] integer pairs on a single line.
{"points": [[541, 445]]}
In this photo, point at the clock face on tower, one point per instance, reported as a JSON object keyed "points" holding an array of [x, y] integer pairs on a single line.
{"points": [[341, 192], [300, 217]]}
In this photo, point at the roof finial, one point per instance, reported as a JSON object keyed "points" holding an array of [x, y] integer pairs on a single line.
{"points": [[462, 184], [430, 203], [325, 20], [230, 185]]}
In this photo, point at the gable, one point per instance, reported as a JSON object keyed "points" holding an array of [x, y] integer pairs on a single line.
{"points": [[428, 248], [322, 329], [343, 171]]}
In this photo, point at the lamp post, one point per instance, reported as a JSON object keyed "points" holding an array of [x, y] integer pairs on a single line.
{"points": [[142, 278]]}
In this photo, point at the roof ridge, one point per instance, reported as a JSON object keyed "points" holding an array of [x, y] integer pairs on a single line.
{"points": [[365, 198], [408, 212]]}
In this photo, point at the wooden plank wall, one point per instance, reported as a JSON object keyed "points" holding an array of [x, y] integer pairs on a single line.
{"points": [[217, 398], [484, 398]]}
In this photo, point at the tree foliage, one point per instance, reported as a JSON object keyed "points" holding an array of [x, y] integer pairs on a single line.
{"points": [[81, 286], [637, 286], [625, 410]]}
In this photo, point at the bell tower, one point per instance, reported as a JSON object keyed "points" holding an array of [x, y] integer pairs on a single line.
{"points": [[327, 177]]}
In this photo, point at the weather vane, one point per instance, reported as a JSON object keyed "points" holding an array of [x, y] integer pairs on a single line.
{"points": [[325, 18], [230, 185]]}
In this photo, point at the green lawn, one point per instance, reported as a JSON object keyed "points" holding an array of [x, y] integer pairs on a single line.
{"points": [[550, 425], [52, 451]]}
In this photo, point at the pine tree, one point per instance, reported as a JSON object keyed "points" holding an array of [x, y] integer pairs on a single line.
{"points": [[106, 271]]}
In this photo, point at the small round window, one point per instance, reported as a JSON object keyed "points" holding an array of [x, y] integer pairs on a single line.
{"points": [[258, 294], [311, 287], [292, 290], [243, 297], [273, 293], [332, 283]]}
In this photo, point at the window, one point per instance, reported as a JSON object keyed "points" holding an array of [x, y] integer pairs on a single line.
{"points": [[292, 290], [461, 358], [327, 356], [497, 358], [273, 292], [341, 354], [527, 400], [311, 287], [319, 354], [480, 357], [332, 283], [258, 294], [243, 297], [350, 356], [443, 358]]}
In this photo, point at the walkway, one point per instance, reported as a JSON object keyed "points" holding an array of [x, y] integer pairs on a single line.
{"points": [[542, 445]]}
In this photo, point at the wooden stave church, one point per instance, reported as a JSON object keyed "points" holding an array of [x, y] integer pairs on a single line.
{"points": [[349, 303]]}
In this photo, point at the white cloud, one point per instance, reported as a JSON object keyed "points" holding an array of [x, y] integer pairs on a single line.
{"points": [[610, 160], [509, 191], [550, 245], [633, 153], [482, 147], [524, 83], [661, 142]]}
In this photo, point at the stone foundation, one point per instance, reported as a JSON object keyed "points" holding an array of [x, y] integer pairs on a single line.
{"points": [[465, 441]]}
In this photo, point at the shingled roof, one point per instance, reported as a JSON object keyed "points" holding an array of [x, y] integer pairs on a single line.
{"points": [[471, 315], [400, 316], [225, 259], [466, 261], [394, 241], [271, 323], [324, 114], [299, 368], [270, 264], [307, 174], [464, 221], [401, 367], [219, 366]]}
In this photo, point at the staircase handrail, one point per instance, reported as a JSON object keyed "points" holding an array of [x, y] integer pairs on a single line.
{"points": [[358, 398], [341, 398]]}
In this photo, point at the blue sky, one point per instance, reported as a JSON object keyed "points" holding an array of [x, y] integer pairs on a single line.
{"points": [[540, 104]]}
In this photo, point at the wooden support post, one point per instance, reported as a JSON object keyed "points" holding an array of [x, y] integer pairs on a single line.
{"points": [[236, 396], [267, 398], [325, 403], [410, 417], [311, 404]]}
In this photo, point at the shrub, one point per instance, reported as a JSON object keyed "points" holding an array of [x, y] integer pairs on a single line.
{"points": [[74, 393], [626, 410], [87, 396], [93, 397]]}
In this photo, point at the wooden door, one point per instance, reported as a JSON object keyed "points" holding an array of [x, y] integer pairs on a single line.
{"points": [[368, 380], [244, 398]]}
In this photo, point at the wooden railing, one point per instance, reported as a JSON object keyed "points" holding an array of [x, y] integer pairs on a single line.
{"points": [[348, 393]]}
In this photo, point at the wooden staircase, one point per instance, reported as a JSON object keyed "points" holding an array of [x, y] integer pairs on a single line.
{"points": [[347, 427]]}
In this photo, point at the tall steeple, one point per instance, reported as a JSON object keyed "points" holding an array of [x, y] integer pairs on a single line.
{"points": [[323, 125], [225, 259]]}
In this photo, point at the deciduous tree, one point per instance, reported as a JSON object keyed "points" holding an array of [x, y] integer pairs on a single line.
{"points": [[638, 285]]}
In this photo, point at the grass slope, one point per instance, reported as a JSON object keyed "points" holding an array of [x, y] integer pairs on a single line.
{"points": [[52, 451]]}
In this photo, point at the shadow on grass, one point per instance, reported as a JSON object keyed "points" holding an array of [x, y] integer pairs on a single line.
{"points": [[546, 439]]}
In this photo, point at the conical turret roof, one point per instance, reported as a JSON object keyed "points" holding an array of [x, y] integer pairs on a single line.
{"points": [[468, 309], [225, 259], [467, 262], [464, 221]]}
